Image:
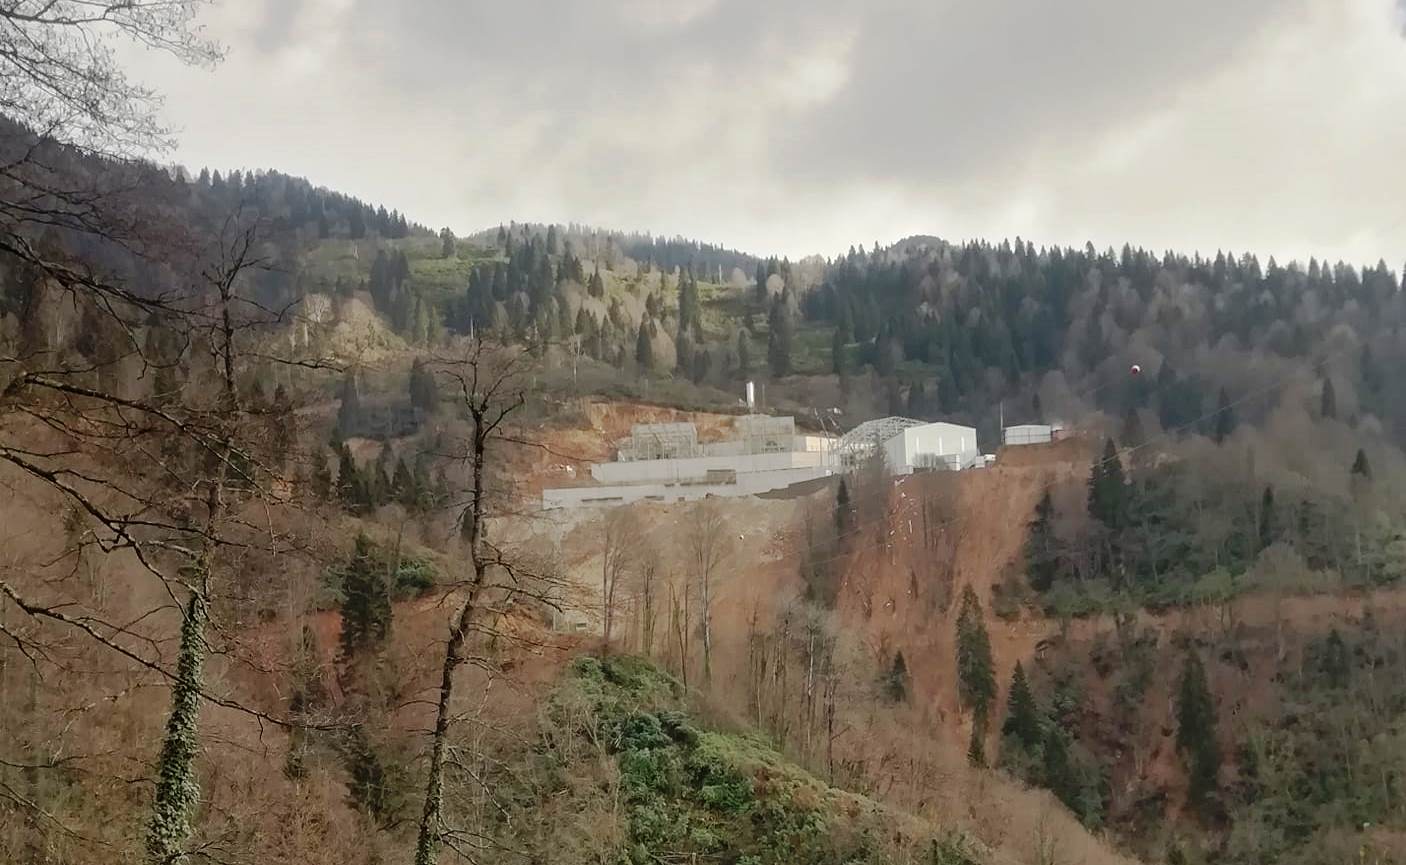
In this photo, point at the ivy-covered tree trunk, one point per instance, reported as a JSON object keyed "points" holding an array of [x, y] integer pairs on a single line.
{"points": [[177, 792]]}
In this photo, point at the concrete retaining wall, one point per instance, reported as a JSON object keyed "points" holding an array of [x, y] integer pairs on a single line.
{"points": [[748, 483], [697, 468]]}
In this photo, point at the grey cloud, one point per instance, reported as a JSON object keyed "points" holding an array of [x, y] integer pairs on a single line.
{"points": [[799, 127], [952, 91]]}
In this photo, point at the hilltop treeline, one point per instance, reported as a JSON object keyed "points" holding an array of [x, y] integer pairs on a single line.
{"points": [[990, 321]]}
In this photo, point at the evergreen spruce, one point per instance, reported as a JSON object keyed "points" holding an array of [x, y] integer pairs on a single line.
{"points": [[349, 418], [1328, 401], [782, 331], [1336, 660], [976, 747], [1132, 435], [1041, 550], [644, 349], [1060, 774], [424, 392], [350, 489], [1022, 714], [1360, 467], [1225, 417], [321, 475], [1107, 488], [403, 486], [366, 601], [1196, 732], [976, 675], [895, 683], [1267, 518], [843, 510]]}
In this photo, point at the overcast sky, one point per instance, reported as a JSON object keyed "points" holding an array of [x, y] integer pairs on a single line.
{"points": [[804, 126]]}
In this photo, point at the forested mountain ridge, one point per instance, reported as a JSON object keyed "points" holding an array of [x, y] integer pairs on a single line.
{"points": [[276, 585], [1256, 452]]}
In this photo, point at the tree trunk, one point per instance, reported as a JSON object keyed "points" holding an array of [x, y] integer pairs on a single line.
{"points": [[177, 791], [432, 817], [707, 629]]}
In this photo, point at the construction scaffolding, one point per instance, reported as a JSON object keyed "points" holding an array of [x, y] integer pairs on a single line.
{"points": [[764, 434], [859, 443], [659, 441]]}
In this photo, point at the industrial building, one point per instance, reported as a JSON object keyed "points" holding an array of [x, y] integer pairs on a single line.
{"points": [[909, 445], [1031, 434], [667, 463]]}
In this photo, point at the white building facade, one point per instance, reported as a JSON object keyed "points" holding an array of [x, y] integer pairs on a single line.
{"points": [[667, 463], [945, 446]]}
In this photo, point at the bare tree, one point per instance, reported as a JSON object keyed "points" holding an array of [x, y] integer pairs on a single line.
{"points": [[681, 624], [490, 388], [168, 480], [619, 534], [648, 599], [58, 74], [708, 547]]}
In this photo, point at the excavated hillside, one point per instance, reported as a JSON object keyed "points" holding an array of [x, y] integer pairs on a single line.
{"points": [[913, 546]]}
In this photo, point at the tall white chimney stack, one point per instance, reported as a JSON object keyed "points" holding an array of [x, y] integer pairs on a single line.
{"points": [[751, 396]]}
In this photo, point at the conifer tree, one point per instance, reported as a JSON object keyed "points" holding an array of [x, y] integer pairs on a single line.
{"points": [[1107, 489], [349, 410], [1022, 714], [744, 354], [837, 353], [1041, 552], [976, 675], [760, 290], [778, 346], [683, 353], [843, 513], [1196, 731], [446, 243], [321, 474], [1132, 435], [403, 486], [1360, 467], [1225, 417], [424, 392], [1267, 518], [976, 747], [350, 489], [644, 348], [1328, 401], [366, 601], [1336, 661], [1060, 775], [895, 684]]}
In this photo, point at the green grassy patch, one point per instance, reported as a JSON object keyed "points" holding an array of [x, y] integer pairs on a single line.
{"points": [[692, 794]]}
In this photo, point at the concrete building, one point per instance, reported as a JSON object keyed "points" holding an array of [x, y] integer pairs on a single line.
{"points": [[667, 463]]}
